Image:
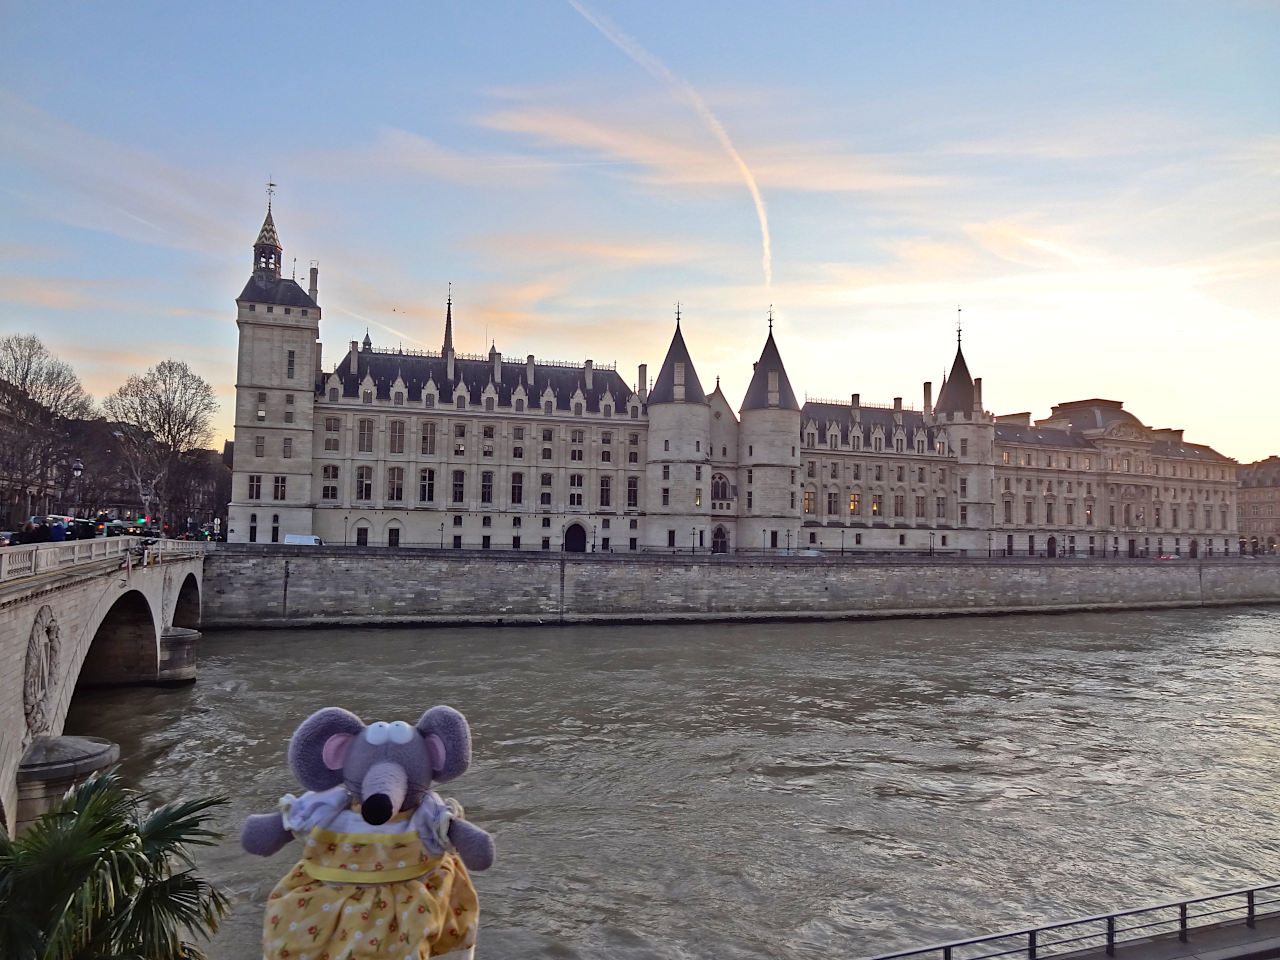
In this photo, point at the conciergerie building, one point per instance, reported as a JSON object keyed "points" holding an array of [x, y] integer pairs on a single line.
{"points": [[401, 448]]}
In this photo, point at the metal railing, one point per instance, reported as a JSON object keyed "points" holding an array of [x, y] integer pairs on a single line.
{"points": [[1110, 930], [40, 559]]}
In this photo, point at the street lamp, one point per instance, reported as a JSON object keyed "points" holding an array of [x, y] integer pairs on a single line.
{"points": [[842, 541], [788, 541], [693, 539], [761, 542], [931, 543], [441, 534], [77, 471], [593, 538], [344, 529], [988, 546]]}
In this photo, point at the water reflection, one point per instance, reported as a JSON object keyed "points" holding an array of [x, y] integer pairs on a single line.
{"points": [[750, 790]]}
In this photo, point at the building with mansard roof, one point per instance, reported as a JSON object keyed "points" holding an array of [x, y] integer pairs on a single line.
{"points": [[394, 447], [1259, 506]]}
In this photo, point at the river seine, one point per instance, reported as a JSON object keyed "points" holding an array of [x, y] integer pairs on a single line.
{"points": [[825, 790]]}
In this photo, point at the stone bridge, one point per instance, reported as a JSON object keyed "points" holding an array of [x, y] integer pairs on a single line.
{"points": [[89, 612]]}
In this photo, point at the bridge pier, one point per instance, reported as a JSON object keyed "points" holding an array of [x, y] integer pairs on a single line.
{"points": [[53, 765]]}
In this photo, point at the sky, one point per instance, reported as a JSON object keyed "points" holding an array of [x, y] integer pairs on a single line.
{"points": [[1092, 189]]}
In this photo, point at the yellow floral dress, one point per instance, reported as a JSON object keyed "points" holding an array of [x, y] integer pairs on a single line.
{"points": [[366, 895]]}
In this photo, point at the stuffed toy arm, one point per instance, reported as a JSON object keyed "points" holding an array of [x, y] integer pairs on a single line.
{"points": [[440, 825], [266, 833]]}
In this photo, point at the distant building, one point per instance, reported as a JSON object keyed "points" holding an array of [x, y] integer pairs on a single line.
{"points": [[399, 448], [1259, 506]]}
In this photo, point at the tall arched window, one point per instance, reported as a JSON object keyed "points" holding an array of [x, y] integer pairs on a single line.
{"points": [[253, 528], [275, 528]]}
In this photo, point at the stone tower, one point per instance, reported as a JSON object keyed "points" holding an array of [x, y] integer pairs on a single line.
{"points": [[276, 373], [769, 464], [678, 472], [969, 433]]}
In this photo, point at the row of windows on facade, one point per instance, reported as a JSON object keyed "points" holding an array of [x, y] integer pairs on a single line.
{"points": [[1130, 514], [462, 400], [288, 311], [899, 444], [1115, 464], [1047, 488], [877, 471], [395, 489]]}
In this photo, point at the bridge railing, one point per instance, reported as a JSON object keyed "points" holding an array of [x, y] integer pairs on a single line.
{"points": [[1107, 931], [38, 559]]}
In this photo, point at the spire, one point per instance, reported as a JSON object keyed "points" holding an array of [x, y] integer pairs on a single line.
{"points": [[367, 342], [769, 387], [267, 252], [677, 381], [956, 395], [448, 324]]}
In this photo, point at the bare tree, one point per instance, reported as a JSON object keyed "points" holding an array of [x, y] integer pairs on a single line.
{"points": [[43, 395], [161, 415]]}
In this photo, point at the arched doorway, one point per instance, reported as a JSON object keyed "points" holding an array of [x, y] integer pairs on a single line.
{"points": [[719, 541], [575, 539], [1051, 547], [1195, 549]]}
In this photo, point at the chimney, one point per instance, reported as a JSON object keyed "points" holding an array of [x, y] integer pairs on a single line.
{"points": [[319, 354], [586, 373], [355, 357], [928, 397], [857, 401], [897, 410], [497, 366], [315, 283], [528, 373], [977, 395], [644, 380]]}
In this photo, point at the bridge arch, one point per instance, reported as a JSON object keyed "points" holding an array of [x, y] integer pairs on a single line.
{"points": [[186, 610], [124, 647]]}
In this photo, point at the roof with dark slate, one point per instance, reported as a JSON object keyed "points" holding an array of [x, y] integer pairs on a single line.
{"points": [[1095, 414], [1263, 473], [473, 376], [757, 396], [263, 288], [267, 235], [956, 395], [664, 386], [1032, 436], [824, 415]]}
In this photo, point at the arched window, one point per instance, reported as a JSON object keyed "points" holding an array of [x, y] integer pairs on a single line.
{"points": [[275, 528], [253, 528], [461, 401], [719, 487]]}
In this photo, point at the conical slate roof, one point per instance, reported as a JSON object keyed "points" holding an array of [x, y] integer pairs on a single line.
{"points": [[664, 388], [956, 395], [267, 235], [757, 397]]}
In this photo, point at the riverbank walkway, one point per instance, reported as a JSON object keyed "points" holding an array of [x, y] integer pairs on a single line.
{"points": [[1234, 925]]}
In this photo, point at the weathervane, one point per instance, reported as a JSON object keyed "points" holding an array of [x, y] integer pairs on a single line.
{"points": [[771, 318], [957, 326], [271, 191]]}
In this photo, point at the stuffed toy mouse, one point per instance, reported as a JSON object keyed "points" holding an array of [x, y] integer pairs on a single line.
{"points": [[384, 868]]}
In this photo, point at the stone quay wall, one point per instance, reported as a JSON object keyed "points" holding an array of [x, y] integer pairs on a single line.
{"points": [[287, 586]]}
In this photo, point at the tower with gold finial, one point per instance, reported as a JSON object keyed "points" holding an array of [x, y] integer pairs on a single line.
{"points": [[276, 373]]}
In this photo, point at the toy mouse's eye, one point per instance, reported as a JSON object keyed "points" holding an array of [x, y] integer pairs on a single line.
{"points": [[378, 732], [401, 732]]}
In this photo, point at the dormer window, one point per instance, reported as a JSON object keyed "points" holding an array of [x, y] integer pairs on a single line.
{"points": [[253, 307], [333, 394], [429, 399], [366, 396], [460, 402], [519, 405], [397, 399], [270, 309]]}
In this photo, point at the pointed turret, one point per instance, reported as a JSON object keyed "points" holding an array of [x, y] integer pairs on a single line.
{"points": [[956, 395], [677, 380], [769, 386], [267, 252]]}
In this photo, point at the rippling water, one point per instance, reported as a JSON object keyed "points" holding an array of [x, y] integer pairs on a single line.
{"points": [[766, 790]]}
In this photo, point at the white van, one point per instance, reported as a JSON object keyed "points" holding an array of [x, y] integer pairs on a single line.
{"points": [[303, 540]]}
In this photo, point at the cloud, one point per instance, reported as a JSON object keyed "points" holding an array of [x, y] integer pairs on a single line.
{"points": [[44, 292], [124, 191], [404, 153], [604, 253], [685, 91]]}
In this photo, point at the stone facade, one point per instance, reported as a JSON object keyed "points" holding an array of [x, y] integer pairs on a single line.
{"points": [[1259, 507], [405, 448]]}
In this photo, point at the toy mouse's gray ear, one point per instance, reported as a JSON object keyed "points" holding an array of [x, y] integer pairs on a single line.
{"points": [[317, 747], [453, 754]]}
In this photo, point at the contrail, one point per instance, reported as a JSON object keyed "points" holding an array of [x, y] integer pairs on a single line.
{"points": [[685, 92]]}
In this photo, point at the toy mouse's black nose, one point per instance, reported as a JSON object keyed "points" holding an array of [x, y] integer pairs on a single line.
{"points": [[376, 809]]}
